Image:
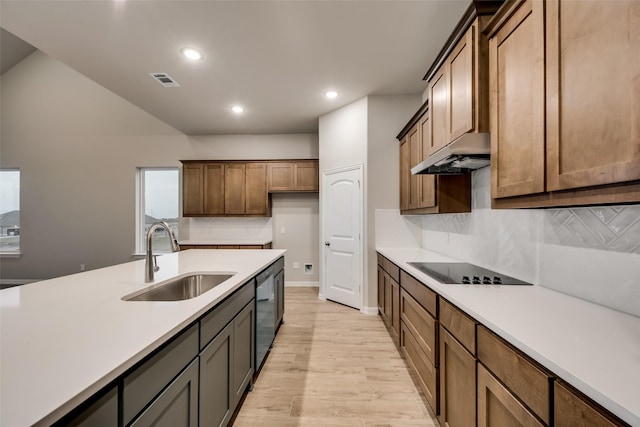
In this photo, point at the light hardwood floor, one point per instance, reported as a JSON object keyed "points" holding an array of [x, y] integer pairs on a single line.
{"points": [[331, 365]]}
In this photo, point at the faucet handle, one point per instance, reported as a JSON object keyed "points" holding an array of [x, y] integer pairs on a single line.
{"points": [[155, 263]]}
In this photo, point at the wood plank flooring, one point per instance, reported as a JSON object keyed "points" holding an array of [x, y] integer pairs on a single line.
{"points": [[332, 366]]}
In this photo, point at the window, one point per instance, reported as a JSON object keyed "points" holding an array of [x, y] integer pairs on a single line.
{"points": [[9, 211], [158, 196]]}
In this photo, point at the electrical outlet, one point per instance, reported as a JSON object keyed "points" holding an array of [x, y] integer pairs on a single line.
{"points": [[282, 230], [81, 267], [296, 266]]}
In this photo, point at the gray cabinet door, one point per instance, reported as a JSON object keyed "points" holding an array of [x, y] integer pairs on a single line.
{"points": [[243, 344], [216, 404], [177, 405], [279, 293]]}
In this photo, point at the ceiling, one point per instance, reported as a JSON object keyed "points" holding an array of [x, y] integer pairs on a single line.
{"points": [[275, 58]]}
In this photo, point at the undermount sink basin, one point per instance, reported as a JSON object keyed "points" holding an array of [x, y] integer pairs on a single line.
{"points": [[181, 289]]}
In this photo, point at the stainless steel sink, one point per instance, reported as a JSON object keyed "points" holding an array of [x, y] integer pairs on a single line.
{"points": [[181, 289]]}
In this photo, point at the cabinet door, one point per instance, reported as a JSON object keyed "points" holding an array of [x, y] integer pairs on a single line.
{"points": [[516, 62], [214, 189], [280, 176], [256, 189], [192, 189], [216, 386], [439, 109], [461, 87], [380, 290], [428, 184], [415, 157], [234, 189], [243, 345], [497, 407], [423, 368], [394, 317], [457, 383], [306, 176], [405, 174], [593, 94], [177, 406]]}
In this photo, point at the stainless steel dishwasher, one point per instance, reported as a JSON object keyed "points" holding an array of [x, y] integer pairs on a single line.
{"points": [[265, 314]]}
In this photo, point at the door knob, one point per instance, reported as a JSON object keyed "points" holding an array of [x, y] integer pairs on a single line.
{"points": [[327, 243]]}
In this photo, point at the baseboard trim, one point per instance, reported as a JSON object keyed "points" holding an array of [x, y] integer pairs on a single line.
{"points": [[370, 311], [301, 284]]}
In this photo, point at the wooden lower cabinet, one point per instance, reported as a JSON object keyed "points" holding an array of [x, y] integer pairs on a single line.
{"points": [[102, 412], [526, 380], [424, 369], [498, 407], [573, 410], [389, 296], [457, 383]]}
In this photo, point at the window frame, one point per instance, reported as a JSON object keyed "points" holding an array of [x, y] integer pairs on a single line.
{"points": [[15, 252], [140, 244]]}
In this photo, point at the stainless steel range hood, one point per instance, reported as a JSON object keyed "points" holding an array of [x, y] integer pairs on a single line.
{"points": [[470, 151]]}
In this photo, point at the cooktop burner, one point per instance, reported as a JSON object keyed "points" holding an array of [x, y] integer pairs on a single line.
{"points": [[464, 274]]}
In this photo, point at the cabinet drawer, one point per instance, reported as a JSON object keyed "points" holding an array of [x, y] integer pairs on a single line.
{"points": [[461, 326], [421, 324], [426, 372], [571, 410], [498, 407], [143, 384], [526, 380], [423, 295], [224, 313], [392, 269]]}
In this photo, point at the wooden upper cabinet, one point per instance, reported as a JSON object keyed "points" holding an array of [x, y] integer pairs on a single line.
{"points": [[298, 175], [458, 90], [306, 176], [565, 103], [593, 93], [234, 188], [415, 157], [427, 194], [213, 188], [193, 189], [517, 103], [257, 198], [405, 173], [439, 109], [461, 87], [428, 184]]}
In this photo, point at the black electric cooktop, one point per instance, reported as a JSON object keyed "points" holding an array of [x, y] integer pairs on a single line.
{"points": [[460, 273]]}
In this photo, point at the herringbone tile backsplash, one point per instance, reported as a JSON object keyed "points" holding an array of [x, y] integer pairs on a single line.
{"points": [[610, 228]]}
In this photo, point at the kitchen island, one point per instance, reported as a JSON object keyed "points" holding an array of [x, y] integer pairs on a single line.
{"points": [[64, 339], [594, 349]]}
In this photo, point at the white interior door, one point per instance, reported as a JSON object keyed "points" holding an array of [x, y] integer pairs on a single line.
{"points": [[342, 235]]}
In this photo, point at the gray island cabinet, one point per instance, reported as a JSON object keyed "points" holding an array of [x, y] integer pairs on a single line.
{"points": [[197, 378]]}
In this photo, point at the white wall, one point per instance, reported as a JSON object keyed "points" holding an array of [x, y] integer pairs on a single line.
{"points": [[592, 253], [364, 133], [77, 146]]}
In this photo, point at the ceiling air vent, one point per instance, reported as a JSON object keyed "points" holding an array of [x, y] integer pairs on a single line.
{"points": [[165, 80]]}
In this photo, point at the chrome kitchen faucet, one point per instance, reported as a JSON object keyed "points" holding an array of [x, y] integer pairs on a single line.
{"points": [[151, 265]]}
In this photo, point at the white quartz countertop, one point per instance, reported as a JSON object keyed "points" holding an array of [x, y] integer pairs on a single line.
{"points": [[591, 347], [226, 241], [61, 340]]}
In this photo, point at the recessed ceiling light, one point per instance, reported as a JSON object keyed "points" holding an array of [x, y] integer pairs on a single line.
{"points": [[331, 94], [237, 109], [191, 53]]}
